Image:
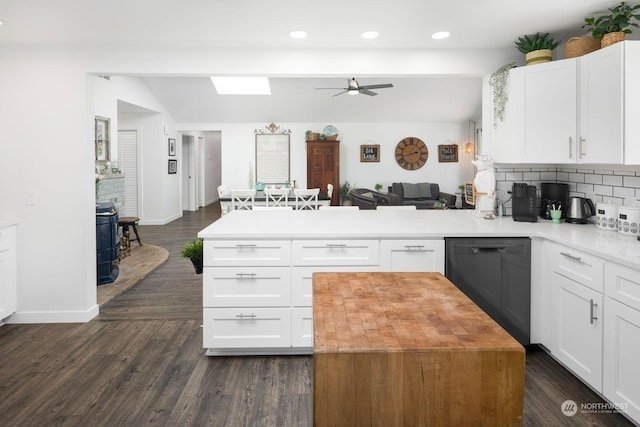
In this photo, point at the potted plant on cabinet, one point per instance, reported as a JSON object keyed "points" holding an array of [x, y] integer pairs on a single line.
{"points": [[537, 48], [612, 28], [378, 187], [345, 189], [193, 250]]}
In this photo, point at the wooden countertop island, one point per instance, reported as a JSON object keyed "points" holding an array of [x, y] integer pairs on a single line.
{"points": [[410, 349]]}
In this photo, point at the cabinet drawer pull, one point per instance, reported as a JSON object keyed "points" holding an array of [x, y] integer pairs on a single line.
{"points": [[411, 247], [573, 257], [582, 142], [336, 245], [570, 150], [246, 275], [592, 307], [246, 316], [246, 246], [486, 249]]}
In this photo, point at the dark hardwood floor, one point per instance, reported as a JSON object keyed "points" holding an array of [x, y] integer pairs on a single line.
{"points": [[141, 362]]}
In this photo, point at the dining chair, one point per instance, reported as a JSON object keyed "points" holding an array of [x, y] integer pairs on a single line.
{"points": [[306, 199], [276, 196], [272, 208], [243, 199], [329, 190], [339, 208], [396, 208]]}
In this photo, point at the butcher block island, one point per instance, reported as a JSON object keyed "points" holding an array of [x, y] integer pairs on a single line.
{"points": [[410, 349]]}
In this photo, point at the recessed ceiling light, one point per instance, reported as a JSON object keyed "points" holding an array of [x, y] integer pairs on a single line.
{"points": [[440, 35], [2, 22], [369, 35], [297, 34], [241, 85]]}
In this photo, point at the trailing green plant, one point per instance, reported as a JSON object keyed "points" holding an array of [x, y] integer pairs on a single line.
{"points": [[528, 44], [193, 249], [499, 82], [618, 20]]}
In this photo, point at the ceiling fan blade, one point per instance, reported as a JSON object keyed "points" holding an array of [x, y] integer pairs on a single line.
{"points": [[367, 92], [382, 86], [340, 93], [333, 88]]}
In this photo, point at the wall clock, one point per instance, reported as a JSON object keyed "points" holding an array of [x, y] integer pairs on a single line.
{"points": [[411, 153]]}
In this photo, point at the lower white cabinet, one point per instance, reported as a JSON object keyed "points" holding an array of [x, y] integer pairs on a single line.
{"points": [[302, 327], [255, 327], [578, 328], [576, 289], [621, 376], [412, 255]]}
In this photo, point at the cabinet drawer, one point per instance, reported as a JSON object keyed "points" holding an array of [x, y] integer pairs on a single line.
{"points": [[412, 255], [622, 284], [232, 253], [246, 327], [335, 252], [579, 266], [302, 285], [302, 327], [246, 286], [7, 237]]}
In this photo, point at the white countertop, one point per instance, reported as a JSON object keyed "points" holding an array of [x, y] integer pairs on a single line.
{"points": [[7, 223], [388, 224]]}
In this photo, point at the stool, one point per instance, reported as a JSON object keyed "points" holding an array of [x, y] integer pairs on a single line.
{"points": [[125, 223]]}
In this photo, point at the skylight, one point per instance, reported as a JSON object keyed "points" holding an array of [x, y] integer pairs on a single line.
{"points": [[242, 85]]}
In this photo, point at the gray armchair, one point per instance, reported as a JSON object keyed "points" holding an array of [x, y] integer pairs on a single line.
{"points": [[370, 199]]}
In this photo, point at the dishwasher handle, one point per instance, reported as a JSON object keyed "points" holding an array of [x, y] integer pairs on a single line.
{"points": [[489, 249]]}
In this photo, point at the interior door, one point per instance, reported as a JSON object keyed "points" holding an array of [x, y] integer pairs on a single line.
{"points": [[128, 164]]}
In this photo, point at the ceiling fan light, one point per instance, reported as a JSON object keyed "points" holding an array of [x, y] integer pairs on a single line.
{"points": [[353, 91]]}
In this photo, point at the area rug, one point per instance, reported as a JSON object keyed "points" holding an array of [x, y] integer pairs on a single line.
{"points": [[133, 268]]}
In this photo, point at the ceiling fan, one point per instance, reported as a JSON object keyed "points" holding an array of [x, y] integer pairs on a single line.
{"points": [[354, 88]]}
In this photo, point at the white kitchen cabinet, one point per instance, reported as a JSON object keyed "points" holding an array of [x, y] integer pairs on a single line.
{"points": [[7, 271], [621, 372], [412, 255], [601, 107], [246, 286], [225, 253], [335, 252], [577, 312]]}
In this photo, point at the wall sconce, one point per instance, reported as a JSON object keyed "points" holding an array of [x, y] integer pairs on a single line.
{"points": [[468, 148]]}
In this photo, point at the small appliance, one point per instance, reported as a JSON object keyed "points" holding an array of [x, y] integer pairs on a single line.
{"points": [[579, 209], [553, 193], [524, 202]]}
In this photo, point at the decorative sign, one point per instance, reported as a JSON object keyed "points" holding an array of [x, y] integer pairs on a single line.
{"points": [[447, 153], [272, 158], [469, 193], [370, 153]]}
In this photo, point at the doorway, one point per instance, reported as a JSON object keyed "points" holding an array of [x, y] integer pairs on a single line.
{"points": [[128, 164]]}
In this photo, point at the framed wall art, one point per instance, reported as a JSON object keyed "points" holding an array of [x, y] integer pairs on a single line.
{"points": [[102, 143], [172, 147], [272, 158], [447, 153], [370, 153], [173, 166]]}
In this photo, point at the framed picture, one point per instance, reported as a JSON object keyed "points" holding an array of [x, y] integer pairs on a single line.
{"points": [[370, 153], [102, 144], [272, 158], [173, 166], [172, 147], [447, 153]]}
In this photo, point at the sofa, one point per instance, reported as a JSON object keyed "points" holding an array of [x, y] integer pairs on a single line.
{"points": [[365, 198], [423, 195]]}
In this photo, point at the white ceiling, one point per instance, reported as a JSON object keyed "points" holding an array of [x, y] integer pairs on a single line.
{"points": [[333, 24]]}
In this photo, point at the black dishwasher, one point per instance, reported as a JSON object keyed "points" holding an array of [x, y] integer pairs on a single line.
{"points": [[495, 273]]}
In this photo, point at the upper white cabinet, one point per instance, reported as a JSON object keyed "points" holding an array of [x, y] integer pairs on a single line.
{"points": [[578, 110]]}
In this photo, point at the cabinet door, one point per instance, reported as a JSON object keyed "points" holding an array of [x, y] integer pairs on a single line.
{"points": [[412, 255], [549, 113], [503, 140], [246, 286], [246, 327], [7, 272], [335, 252], [227, 253], [601, 106], [302, 327], [578, 329], [323, 167], [621, 356]]}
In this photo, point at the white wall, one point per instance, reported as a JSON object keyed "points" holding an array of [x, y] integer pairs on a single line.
{"points": [[47, 110]]}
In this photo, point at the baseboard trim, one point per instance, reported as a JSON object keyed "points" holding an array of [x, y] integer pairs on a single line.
{"points": [[28, 317]]}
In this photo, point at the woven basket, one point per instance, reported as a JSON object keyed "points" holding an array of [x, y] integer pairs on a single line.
{"points": [[612, 38], [539, 56], [578, 46], [331, 137]]}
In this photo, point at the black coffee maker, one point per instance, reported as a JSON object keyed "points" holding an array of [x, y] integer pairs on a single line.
{"points": [[524, 202], [553, 194]]}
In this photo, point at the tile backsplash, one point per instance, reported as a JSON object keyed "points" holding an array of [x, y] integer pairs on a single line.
{"points": [[619, 185]]}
